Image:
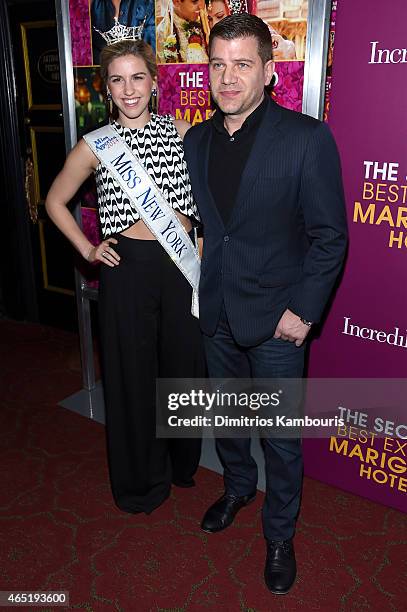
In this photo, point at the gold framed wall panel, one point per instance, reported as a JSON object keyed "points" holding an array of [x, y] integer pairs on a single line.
{"points": [[32, 85]]}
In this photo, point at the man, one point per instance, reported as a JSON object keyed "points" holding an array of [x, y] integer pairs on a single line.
{"points": [[268, 185], [180, 34]]}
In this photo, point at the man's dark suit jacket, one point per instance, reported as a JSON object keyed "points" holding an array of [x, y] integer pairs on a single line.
{"points": [[285, 240]]}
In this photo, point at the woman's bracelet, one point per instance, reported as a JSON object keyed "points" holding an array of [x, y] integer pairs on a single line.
{"points": [[89, 252]]}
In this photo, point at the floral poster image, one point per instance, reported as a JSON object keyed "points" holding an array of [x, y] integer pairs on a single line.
{"points": [[182, 35], [182, 31], [183, 27]]}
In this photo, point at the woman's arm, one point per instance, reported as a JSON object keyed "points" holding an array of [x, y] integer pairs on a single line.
{"points": [[80, 163]]}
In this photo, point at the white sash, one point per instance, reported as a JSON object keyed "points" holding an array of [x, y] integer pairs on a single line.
{"points": [[149, 202]]}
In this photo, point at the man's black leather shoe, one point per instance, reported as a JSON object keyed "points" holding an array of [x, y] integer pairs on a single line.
{"points": [[281, 567], [221, 514]]}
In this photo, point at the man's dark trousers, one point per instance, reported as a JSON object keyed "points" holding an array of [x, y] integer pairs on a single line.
{"points": [[272, 358]]}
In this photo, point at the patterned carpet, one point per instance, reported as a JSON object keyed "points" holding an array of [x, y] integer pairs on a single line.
{"points": [[59, 529]]}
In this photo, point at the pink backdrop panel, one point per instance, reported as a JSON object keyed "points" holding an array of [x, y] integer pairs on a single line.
{"points": [[80, 32], [288, 91], [367, 117]]}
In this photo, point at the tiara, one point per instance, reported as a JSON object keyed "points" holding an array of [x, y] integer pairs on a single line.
{"points": [[121, 32]]}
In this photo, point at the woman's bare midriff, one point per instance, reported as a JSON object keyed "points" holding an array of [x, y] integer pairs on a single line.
{"points": [[140, 230]]}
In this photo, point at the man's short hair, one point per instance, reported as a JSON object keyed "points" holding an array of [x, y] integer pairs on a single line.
{"points": [[244, 26]]}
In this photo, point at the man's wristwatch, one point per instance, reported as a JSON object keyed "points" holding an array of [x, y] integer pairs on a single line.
{"points": [[308, 323]]}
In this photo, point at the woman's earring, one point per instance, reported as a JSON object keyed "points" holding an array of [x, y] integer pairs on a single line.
{"points": [[274, 79], [153, 100], [110, 101]]}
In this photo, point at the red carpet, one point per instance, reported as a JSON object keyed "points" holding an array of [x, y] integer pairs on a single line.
{"points": [[60, 530]]}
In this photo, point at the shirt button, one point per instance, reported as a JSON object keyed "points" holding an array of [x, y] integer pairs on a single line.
{"points": [[231, 139], [225, 238]]}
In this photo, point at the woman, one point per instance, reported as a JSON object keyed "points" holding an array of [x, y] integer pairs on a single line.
{"points": [[147, 329], [283, 49], [217, 10]]}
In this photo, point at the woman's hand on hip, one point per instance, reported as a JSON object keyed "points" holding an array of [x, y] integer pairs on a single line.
{"points": [[104, 253]]}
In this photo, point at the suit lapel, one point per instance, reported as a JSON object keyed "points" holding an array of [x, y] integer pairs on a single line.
{"points": [[268, 133]]}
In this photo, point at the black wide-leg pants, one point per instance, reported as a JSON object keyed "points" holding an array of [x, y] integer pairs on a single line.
{"points": [[147, 331]]}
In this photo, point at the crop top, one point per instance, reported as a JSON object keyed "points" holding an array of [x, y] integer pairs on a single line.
{"points": [[159, 148]]}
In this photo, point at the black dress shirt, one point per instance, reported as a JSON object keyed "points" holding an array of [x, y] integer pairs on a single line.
{"points": [[228, 156]]}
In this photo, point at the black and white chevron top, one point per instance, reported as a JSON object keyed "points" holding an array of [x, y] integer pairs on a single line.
{"points": [[160, 150]]}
